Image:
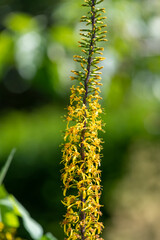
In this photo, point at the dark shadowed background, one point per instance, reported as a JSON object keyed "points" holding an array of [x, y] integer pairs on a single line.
{"points": [[37, 41]]}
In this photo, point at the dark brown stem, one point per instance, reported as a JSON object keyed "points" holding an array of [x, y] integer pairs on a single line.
{"points": [[90, 52], [89, 61]]}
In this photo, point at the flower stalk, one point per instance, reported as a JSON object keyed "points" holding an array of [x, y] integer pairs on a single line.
{"points": [[81, 151]]}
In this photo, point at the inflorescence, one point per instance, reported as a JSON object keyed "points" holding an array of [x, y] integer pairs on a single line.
{"points": [[81, 151], [7, 233]]}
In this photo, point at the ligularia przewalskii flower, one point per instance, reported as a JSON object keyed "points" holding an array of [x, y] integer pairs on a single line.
{"points": [[82, 147]]}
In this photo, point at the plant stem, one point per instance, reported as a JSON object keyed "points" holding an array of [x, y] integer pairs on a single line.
{"points": [[89, 61]]}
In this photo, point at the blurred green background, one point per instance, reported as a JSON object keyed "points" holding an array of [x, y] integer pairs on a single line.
{"points": [[37, 41]]}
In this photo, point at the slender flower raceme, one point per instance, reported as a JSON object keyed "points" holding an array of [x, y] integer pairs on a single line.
{"points": [[82, 147]]}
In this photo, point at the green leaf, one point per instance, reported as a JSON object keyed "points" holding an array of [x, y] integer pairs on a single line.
{"points": [[5, 202], [11, 209], [48, 236], [32, 227], [6, 166], [3, 192], [7, 214], [10, 219]]}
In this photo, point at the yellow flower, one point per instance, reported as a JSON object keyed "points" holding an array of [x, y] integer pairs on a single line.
{"points": [[82, 147], [7, 233], [9, 236], [1, 226]]}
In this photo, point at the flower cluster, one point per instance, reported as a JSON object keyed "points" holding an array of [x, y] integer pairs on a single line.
{"points": [[7, 233], [82, 147]]}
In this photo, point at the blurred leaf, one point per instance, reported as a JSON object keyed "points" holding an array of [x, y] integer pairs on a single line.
{"points": [[48, 236], [6, 203], [8, 216], [10, 219], [34, 229], [3, 192], [11, 209], [6, 166]]}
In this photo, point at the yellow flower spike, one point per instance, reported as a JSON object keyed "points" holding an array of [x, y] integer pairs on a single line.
{"points": [[81, 152]]}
